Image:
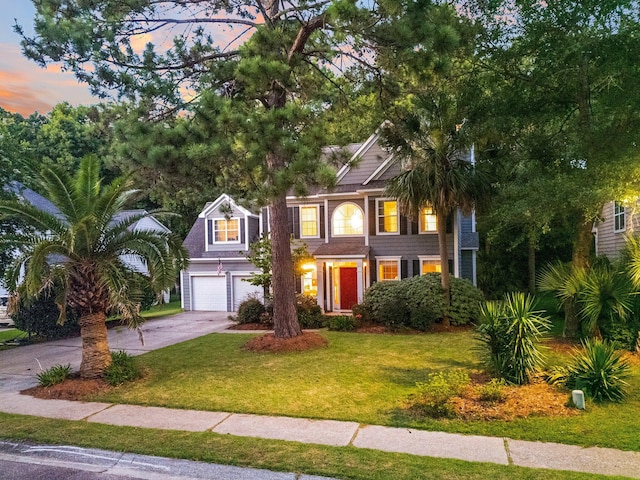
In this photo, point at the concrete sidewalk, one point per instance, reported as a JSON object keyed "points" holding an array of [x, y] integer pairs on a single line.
{"points": [[15, 377]]}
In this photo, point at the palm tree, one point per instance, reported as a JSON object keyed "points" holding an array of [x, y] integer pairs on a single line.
{"points": [[437, 172], [80, 247]]}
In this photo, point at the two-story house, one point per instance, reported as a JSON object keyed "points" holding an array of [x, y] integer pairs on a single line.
{"points": [[355, 234]]}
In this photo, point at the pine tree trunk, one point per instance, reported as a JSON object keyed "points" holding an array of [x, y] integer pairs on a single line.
{"points": [[582, 245], [285, 316], [441, 220], [96, 355]]}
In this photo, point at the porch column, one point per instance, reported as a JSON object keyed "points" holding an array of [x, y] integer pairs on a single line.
{"points": [[360, 283], [320, 281]]}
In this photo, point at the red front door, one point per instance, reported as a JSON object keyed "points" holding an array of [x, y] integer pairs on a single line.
{"points": [[348, 287]]}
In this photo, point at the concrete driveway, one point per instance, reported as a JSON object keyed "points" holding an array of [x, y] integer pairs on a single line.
{"points": [[20, 365]]}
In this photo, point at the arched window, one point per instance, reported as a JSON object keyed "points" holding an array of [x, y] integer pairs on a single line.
{"points": [[348, 219]]}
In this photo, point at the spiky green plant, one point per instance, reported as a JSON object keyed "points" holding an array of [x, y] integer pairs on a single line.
{"points": [[566, 282], [54, 375], [605, 298], [511, 331], [600, 371]]}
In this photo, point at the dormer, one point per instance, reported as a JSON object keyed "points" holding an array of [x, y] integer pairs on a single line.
{"points": [[228, 226]]}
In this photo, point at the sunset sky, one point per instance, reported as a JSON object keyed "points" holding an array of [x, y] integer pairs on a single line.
{"points": [[24, 86]]}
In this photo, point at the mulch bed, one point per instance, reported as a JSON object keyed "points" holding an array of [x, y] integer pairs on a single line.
{"points": [[71, 389], [301, 343], [249, 326]]}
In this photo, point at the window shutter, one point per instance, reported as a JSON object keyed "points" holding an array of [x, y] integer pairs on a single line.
{"points": [[403, 225], [296, 222], [404, 266], [290, 225], [416, 268], [372, 217], [242, 231], [414, 227], [450, 220], [373, 271], [210, 231], [322, 225], [451, 267], [298, 284]]}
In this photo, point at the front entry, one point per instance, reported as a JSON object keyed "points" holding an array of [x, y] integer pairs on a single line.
{"points": [[348, 287]]}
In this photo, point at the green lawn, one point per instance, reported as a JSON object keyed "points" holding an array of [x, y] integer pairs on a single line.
{"points": [[340, 462], [359, 377], [10, 334]]}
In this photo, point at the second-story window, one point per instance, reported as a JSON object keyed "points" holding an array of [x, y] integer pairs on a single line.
{"points": [[226, 230], [348, 219], [387, 216], [428, 220], [309, 221], [619, 224]]}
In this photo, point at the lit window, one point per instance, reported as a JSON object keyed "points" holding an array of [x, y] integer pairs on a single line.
{"points": [[310, 280], [309, 221], [428, 220], [387, 216], [430, 266], [348, 219], [388, 270], [226, 230], [619, 224]]}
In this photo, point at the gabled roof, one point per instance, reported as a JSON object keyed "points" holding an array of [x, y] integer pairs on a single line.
{"points": [[221, 200]]}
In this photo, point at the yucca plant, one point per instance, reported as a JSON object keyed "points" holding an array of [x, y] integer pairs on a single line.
{"points": [[600, 371], [566, 282], [511, 332]]}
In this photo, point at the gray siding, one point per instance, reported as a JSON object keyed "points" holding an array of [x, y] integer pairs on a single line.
{"points": [[608, 242], [365, 165], [466, 223], [466, 265]]}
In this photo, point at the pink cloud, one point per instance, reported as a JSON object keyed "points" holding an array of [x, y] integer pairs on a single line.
{"points": [[26, 88]]}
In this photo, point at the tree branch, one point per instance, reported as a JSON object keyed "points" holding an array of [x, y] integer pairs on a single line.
{"points": [[178, 21], [305, 32], [188, 64]]}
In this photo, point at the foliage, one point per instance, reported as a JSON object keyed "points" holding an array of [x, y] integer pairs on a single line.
{"points": [[54, 375], [341, 323], [40, 315], [361, 313], [433, 398], [417, 302], [81, 248], [510, 332], [599, 371], [309, 312], [250, 311], [123, 368], [492, 391]]}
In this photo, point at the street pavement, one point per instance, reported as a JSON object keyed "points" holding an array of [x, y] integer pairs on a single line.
{"points": [[17, 374]]}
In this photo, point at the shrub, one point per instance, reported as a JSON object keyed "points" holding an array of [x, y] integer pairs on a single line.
{"points": [[361, 314], [54, 375], [123, 368], [510, 332], [417, 302], [40, 316], [309, 312], [492, 391], [433, 397], [341, 323], [599, 371], [250, 311]]}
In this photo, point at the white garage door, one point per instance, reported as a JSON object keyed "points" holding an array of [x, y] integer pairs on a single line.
{"points": [[242, 290], [209, 293]]}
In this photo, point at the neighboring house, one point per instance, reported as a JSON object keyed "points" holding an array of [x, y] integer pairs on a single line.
{"points": [[355, 234], [147, 223], [617, 221]]}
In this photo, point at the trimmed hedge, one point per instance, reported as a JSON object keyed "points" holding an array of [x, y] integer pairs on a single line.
{"points": [[417, 302], [40, 317]]}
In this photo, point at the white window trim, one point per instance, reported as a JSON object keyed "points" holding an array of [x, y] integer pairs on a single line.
{"points": [[347, 235], [317, 207], [378, 216], [388, 259], [616, 215], [420, 229], [428, 258], [226, 242]]}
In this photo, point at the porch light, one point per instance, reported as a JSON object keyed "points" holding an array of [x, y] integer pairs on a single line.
{"points": [[307, 267]]}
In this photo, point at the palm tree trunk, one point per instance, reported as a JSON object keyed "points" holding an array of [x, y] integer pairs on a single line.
{"points": [[96, 355], [285, 316], [441, 224]]}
